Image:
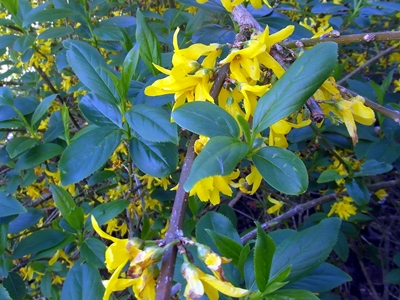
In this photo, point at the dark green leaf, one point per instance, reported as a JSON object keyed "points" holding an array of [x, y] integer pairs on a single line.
{"points": [[23, 43], [25, 221], [227, 246], [154, 159], [87, 154], [4, 293], [152, 123], [245, 127], [48, 15], [220, 156], [282, 169], [18, 145], [90, 68], [357, 191], [373, 167], [263, 252], [10, 206], [393, 276], [330, 175], [298, 84], [129, 67], [342, 247], [100, 112], [291, 294], [92, 251], [55, 32], [207, 119], [106, 211], [39, 241], [219, 224], [306, 250], [42, 108], [322, 279], [7, 40], [100, 176], [37, 155], [149, 44], [83, 282], [244, 254], [6, 96], [15, 286]]}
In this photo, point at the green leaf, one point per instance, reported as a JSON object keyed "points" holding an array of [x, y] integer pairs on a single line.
{"points": [[220, 156], [67, 206], [48, 15], [100, 112], [24, 43], [244, 254], [393, 276], [106, 211], [217, 223], [92, 251], [4, 293], [15, 286], [42, 108], [342, 247], [149, 44], [322, 279], [129, 67], [263, 252], [11, 6], [357, 191], [372, 167], [154, 159], [83, 282], [296, 85], [87, 154], [245, 127], [90, 68], [55, 32], [291, 294], [6, 97], [10, 206], [282, 169], [206, 119], [37, 155], [330, 175], [39, 241], [18, 145], [152, 123], [26, 220], [227, 246], [306, 250]]}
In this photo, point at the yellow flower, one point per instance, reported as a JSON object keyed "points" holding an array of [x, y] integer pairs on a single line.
{"points": [[208, 189], [120, 251], [116, 284], [277, 205], [381, 194], [281, 128], [144, 259], [254, 179], [199, 283], [343, 208], [200, 143], [145, 286], [212, 260]]}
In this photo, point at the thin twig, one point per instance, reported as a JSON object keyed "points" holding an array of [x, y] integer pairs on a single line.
{"points": [[367, 63]]}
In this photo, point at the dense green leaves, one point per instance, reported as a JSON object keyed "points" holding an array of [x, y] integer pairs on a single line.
{"points": [[297, 84], [37, 155], [106, 211], [88, 153], [219, 157], [357, 191], [206, 119], [15, 286], [227, 246], [19, 144], [152, 124], [282, 169]]}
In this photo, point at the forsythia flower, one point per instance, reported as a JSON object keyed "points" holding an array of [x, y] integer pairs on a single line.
{"points": [[199, 283], [343, 208], [208, 189], [277, 205]]}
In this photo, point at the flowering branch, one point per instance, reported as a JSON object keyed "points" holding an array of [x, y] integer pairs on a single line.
{"points": [[347, 39], [313, 203]]}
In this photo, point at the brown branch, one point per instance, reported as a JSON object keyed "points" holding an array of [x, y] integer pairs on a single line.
{"points": [[367, 63], [175, 227], [347, 39], [313, 203]]}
